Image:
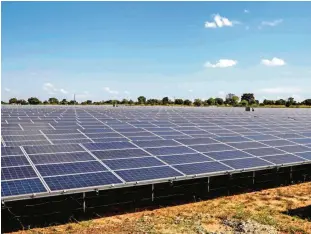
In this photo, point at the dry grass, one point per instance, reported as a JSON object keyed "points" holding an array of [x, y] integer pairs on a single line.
{"points": [[265, 207]]}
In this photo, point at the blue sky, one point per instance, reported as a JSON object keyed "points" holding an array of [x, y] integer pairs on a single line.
{"points": [[105, 50]]}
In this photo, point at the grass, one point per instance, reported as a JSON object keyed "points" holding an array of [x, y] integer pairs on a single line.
{"points": [[267, 207]]}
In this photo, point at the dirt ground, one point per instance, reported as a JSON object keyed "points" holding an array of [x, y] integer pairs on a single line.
{"points": [[257, 212]]}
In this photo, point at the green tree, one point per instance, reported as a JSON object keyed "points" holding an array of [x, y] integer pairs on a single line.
{"points": [[187, 102], [45, 102], [211, 101], [34, 101], [124, 101], [165, 101], [290, 102], [197, 102], [268, 102], [53, 101], [178, 102], [64, 102], [280, 102], [243, 103], [234, 100], [141, 100], [73, 102], [22, 102], [249, 97], [219, 101], [131, 102], [89, 102], [307, 102], [13, 101]]}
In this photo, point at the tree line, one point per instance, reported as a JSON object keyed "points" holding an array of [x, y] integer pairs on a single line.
{"points": [[247, 99]]}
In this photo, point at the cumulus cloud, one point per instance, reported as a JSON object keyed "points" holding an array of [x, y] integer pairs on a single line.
{"points": [[219, 22], [280, 90], [272, 23], [51, 89], [108, 90], [273, 62], [222, 63]]}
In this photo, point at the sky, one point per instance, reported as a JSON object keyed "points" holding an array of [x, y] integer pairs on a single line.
{"points": [[115, 50]]}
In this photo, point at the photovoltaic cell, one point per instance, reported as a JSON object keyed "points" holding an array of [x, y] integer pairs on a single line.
{"points": [[306, 155], [156, 143], [247, 145], [211, 147], [247, 163], [60, 157], [231, 139], [53, 149], [197, 141], [185, 158], [12, 173], [261, 137], [151, 173], [14, 161], [264, 151], [277, 142], [81, 181], [303, 141], [202, 168], [169, 150], [133, 163], [70, 168], [21, 187], [115, 154], [109, 146], [222, 155], [295, 148], [283, 159], [6, 151]]}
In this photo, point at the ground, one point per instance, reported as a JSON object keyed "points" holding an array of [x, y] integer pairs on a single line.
{"points": [[257, 212]]}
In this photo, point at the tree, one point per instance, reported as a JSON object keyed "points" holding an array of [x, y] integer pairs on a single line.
{"points": [[243, 103], [232, 100], [64, 102], [153, 101], [178, 102], [53, 100], [89, 102], [34, 101], [307, 102], [280, 102], [290, 102], [219, 101], [197, 102], [249, 97], [45, 102], [187, 102], [165, 101], [268, 102], [141, 100], [12, 101], [124, 101], [73, 102], [22, 102], [211, 101]]}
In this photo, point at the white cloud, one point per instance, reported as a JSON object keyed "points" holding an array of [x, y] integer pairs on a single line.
{"points": [[220, 22], [7, 90], [51, 89], [246, 11], [108, 90], [280, 90], [273, 62], [222, 63], [126, 92], [190, 90], [271, 23]]}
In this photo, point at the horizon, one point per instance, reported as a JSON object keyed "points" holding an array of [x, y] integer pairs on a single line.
{"points": [[115, 50]]}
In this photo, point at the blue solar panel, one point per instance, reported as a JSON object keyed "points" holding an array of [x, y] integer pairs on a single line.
{"points": [[261, 137], [277, 142], [12, 173], [247, 163], [288, 135], [109, 146], [21, 187], [151, 173], [156, 143], [72, 141], [202, 168], [197, 141], [60, 157], [103, 135], [211, 147], [133, 163], [53, 149], [294, 148], [14, 161], [231, 139], [29, 143], [264, 151], [5, 151], [110, 139], [185, 158], [24, 138], [222, 155], [114, 154], [170, 150], [81, 181], [283, 159], [306, 155], [70, 168], [66, 136], [247, 145], [303, 141]]}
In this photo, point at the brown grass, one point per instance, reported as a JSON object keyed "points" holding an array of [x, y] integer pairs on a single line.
{"points": [[265, 207]]}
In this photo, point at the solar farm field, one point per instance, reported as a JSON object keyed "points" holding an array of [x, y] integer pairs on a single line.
{"points": [[51, 150]]}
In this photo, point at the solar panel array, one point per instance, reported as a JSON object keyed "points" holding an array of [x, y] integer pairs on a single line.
{"points": [[48, 150]]}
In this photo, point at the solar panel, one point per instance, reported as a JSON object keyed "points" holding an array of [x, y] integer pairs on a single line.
{"points": [[150, 173], [277, 142], [264, 151], [306, 155], [12, 173], [184, 158], [247, 163], [81, 181], [6, 151], [202, 168], [211, 147], [230, 154], [14, 161], [294, 148], [117, 164], [109, 146], [247, 145], [155, 143], [170, 150], [21, 187], [283, 159], [53, 149], [115, 154], [197, 141]]}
